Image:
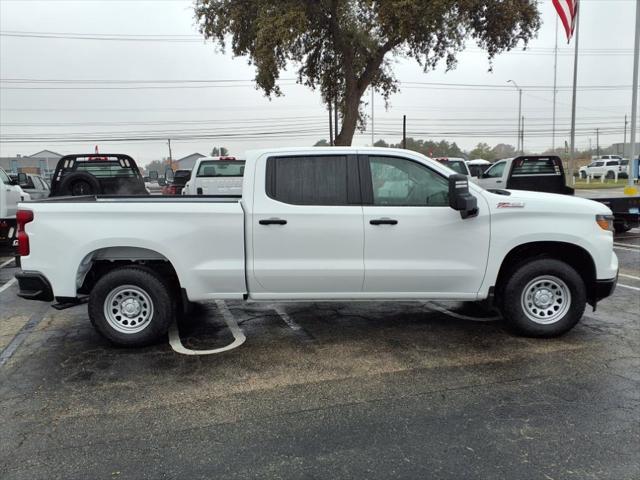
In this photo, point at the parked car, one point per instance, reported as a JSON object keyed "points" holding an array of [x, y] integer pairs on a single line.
{"points": [[546, 174], [320, 224], [10, 196], [216, 176], [176, 183], [90, 174], [35, 185], [608, 167], [458, 165]]}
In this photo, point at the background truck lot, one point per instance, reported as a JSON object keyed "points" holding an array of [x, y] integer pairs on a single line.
{"points": [[381, 390]]}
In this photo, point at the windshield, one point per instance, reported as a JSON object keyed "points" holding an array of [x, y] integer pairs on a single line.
{"points": [[217, 168]]}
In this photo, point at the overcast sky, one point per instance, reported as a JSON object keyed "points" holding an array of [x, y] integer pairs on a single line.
{"points": [[238, 114]]}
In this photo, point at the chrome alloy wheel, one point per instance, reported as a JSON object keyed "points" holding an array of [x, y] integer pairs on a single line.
{"points": [[546, 299], [128, 309]]}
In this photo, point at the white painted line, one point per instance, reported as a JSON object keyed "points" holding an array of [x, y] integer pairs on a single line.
{"points": [[286, 318], [626, 245], [238, 335], [435, 306], [8, 284], [629, 286], [627, 249], [629, 276], [2, 265]]}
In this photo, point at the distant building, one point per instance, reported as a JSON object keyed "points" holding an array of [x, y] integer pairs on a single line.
{"points": [[42, 163], [188, 162], [619, 149]]}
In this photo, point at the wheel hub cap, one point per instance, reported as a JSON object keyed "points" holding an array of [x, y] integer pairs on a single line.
{"points": [[546, 299], [128, 309]]}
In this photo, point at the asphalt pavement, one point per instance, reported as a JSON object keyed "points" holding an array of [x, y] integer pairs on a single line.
{"points": [[324, 390]]}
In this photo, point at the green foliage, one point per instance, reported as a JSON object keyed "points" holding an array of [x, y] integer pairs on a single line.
{"points": [[503, 150], [219, 152], [342, 47], [482, 150]]}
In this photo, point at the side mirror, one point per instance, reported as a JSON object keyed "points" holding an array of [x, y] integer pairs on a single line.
{"points": [[23, 180], [460, 198], [168, 174], [153, 175]]}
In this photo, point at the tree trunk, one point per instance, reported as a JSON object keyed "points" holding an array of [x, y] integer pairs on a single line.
{"points": [[350, 119]]}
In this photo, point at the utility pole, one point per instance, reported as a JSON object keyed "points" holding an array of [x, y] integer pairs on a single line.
{"points": [[335, 119], [170, 158], [404, 132], [519, 148], [598, 142], [624, 142], [555, 91], [330, 124], [634, 103], [372, 129], [572, 153], [522, 137]]}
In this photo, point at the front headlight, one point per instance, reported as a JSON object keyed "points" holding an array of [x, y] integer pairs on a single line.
{"points": [[605, 222]]}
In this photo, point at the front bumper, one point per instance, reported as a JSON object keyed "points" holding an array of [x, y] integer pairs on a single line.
{"points": [[604, 288], [34, 286]]}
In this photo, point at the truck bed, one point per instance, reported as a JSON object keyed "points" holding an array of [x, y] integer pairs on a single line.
{"points": [[143, 199]]}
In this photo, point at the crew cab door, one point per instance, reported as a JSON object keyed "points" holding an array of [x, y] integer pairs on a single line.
{"points": [[415, 244], [307, 227], [495, 176]]}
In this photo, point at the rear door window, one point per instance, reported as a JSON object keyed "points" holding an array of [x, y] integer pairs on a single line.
{"points": [[220, 168], [313, 180], [535, 166]]}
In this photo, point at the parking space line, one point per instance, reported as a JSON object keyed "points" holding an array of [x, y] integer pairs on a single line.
{"points": [[626, 249], [291, 323], [33, 322], [238, 336], [441, 309], [629, 276], [4, 264], [628, 286], [8, 284]]}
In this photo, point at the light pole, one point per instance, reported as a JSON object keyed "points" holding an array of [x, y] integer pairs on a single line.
{"points": [[519, 111]]}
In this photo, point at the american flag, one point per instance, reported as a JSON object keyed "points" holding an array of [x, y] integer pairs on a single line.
{"points": [[567, 10]]}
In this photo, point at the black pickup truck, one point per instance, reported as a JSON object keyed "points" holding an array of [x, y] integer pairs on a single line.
{"points": [[97, 174], [541, 173]]}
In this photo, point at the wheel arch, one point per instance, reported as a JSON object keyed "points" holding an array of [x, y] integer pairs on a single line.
{"points": [[574, 255], [100, 261]]}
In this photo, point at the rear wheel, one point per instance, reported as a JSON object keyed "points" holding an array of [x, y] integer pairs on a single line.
{"points": [[543, 298], [610, 175], [131, 306]]}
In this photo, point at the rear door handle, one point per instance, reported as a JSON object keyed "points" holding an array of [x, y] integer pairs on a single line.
{"points": [[272, 221], [383, 221], [498, 181]]}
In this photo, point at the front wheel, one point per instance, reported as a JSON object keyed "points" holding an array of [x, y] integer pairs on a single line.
{"points": [[543, 298], [583, 175], [131, 307]]}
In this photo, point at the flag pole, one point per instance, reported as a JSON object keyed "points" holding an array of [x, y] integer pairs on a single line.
{"points": [[634, 102], [573, 101]]}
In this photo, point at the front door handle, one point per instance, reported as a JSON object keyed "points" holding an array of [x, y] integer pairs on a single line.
{"points": [[383, 221], [272, 221], [498, 181]]}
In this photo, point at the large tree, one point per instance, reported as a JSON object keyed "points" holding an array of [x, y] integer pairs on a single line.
{"points": [[342, 47]]}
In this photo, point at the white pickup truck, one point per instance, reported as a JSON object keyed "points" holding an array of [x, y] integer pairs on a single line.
{"points": [[338, 224], [215, 176], [11, 194]]}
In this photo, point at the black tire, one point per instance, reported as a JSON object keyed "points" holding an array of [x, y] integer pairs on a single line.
{"points": [[155, 323], [583, 175], [621, 227], [610, 175], [522, 277], [79, 183]]}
